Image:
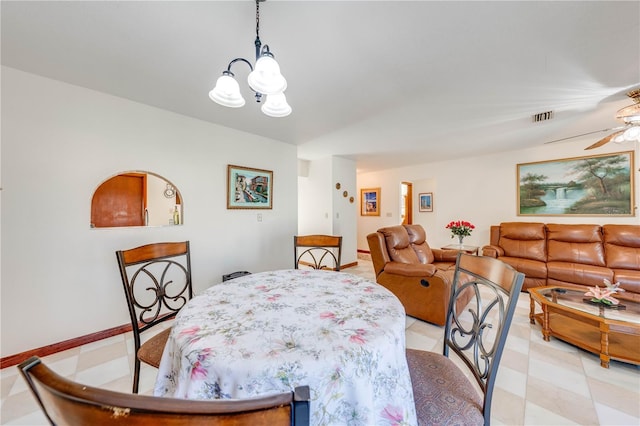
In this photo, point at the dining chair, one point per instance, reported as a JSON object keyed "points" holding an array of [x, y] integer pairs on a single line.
{"points": [[157, 283], [443, 390], [65, 402], [312, 250]]}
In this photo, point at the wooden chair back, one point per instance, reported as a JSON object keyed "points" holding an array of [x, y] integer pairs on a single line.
{"points": [[65, 402], [478, 333], [443, 387], [157, 283], [317, 251]]}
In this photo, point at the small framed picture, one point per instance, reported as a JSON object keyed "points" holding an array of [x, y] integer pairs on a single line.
{"points": [[249, 188], [370, 202], [426, 202]]}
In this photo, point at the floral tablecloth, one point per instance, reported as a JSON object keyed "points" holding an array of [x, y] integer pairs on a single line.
{"points": [[340, 334]]}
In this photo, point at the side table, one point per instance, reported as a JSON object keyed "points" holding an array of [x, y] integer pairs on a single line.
{"points": [[464, 248]]}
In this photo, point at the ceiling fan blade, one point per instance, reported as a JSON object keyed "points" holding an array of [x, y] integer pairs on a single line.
{"points": [[604, 140], [585, 134]]}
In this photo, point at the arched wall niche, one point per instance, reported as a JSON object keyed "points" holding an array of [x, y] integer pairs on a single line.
{"points": [[136, 198]]}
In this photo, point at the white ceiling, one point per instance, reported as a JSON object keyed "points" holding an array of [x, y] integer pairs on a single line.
{"points": [[386, 83]]}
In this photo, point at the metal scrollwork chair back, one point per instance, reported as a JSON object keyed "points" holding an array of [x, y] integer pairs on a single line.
{"points": [[317, 251], [67, 403], [157, 283], [476, 335]]}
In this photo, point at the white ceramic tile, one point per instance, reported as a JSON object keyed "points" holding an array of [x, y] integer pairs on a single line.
{"points": [[619, 373], [100, 343], [518, 344], [538, 416], [409, 321], [64, 366], [420, 341], [610, 416], [103, 373], [36, 418], [560, 377], [512, 380]]}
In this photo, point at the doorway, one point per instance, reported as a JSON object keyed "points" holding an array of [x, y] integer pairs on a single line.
{"points": [[406, 206]]}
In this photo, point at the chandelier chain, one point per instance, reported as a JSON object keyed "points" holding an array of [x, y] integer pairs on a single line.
{"points": [[258, 18]]}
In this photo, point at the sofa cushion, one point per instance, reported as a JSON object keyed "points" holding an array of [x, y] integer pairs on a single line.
{"points": [[622, 246], [579, 273], [531, 268], [523, 239], [581, 244], [397, 240], [629, 280], [418, 240]]}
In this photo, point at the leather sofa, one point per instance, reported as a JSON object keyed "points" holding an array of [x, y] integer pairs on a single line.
{"points": [[419, 276], [576, 256]]}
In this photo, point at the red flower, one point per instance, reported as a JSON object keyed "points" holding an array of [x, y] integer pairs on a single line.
{"points": [[460, 228]]}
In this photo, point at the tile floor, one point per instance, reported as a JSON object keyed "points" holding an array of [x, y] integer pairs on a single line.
{"points": [[539, 383]]}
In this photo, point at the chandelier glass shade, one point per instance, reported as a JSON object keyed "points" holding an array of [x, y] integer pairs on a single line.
{"points": [[276, 106], [227, 92], [264, 79]]}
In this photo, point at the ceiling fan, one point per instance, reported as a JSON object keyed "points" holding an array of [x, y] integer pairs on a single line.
{"points": [[629, 131]]}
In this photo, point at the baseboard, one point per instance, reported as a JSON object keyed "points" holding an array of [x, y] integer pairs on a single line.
{"points": [[16, 359]]}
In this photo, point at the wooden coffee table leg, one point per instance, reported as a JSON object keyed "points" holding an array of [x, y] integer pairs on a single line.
{"points": [[604, 346], [532, 310], [545, 324]]}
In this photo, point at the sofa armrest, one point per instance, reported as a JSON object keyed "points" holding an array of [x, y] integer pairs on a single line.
{"points": [[410, 269], [440, 255], [492, 251]]}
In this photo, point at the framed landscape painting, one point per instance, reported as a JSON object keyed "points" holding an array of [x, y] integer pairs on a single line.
{"points": [[425, 202], [370, 202], [597, 185], [249, 188]]}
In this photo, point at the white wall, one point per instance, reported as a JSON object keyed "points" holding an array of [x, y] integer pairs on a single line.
{"points": [[481, 190], [59, 142], [323, 208], [314, 197], [345, 213]]}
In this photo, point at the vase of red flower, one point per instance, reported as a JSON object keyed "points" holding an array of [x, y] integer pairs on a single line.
{"points": [[460, 229]]}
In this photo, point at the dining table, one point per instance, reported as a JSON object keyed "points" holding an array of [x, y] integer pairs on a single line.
{"points": [[340, 334]]}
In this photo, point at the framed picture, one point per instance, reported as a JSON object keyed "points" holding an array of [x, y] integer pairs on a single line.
{"points": [[370, 202], [249, 188], [426, 202], [598, 185]]}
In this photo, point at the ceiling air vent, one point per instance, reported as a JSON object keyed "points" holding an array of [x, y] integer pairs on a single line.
{"points": [[543, 116]]}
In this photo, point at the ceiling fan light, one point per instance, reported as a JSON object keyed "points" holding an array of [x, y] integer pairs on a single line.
{"points": [[632, 134], [618, 139], [630, 114], [276, 106], [266, 78], [227, 92]]}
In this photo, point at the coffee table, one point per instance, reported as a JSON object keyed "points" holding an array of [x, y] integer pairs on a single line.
{"points": [[612, 333]]}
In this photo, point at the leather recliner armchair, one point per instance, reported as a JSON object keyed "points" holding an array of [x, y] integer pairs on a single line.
{"points": [[419, 276]]}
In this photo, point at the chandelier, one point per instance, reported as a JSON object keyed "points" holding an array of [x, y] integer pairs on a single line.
{"points": [[264, 79]]}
